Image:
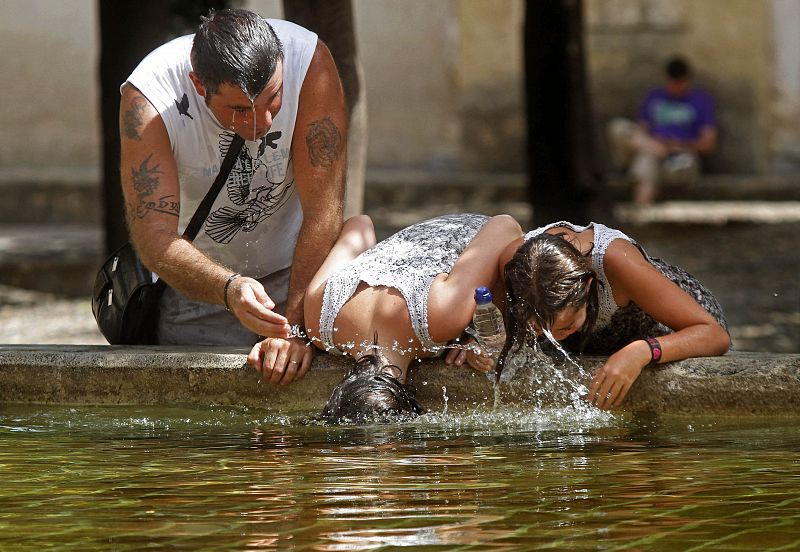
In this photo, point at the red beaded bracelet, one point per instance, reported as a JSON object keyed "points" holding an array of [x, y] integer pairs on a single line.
{"points": [[655, 350]]}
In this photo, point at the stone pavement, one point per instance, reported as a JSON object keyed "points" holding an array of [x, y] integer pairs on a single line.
{"points": [[37, 317]]}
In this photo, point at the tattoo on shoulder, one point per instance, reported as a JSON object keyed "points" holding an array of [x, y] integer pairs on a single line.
{"points": [[145, 182], [132, 119], [324, 143]]}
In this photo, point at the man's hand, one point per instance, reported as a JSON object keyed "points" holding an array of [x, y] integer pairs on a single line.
{"points": [[479, 361], [250, 303], [281, 361]]}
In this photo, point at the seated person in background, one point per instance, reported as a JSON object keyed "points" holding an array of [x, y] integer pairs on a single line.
{"points": [[677, 126]]}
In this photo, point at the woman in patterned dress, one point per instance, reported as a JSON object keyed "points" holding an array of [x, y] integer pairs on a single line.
{"points": [[599, 284], [402, 299]]}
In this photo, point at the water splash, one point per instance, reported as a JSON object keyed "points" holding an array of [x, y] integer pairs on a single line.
{"points": [[574, 422], [254, 120], [537, 378], [578, 389]]}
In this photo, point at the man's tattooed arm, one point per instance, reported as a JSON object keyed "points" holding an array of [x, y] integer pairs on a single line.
{"points": [[324, 142], [145, 182], [132, 122]]}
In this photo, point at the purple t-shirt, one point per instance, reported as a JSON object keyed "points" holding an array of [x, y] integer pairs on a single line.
{"points": [[681, 118]]}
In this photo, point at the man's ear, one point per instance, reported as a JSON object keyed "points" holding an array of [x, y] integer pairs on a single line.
{"points": [[198, 84]]}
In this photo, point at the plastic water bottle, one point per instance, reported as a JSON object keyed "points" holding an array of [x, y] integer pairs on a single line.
{"points": [[488, 322]]}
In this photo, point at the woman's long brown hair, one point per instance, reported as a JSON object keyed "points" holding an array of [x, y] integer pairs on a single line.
{"points": [[546, 274]]}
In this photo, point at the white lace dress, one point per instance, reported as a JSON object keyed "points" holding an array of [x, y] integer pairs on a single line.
{"points": [[407, 261]]}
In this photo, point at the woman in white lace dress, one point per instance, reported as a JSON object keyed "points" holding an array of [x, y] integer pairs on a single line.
{"points": [[402, 299]]}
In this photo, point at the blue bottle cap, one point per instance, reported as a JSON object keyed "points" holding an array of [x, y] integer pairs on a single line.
{"points": [[483, 295]]}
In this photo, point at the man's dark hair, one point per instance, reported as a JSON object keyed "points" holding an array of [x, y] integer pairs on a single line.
{"points": [[236, 47], [678, 68]]}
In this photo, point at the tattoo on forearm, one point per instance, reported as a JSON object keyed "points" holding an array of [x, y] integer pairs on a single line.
{"points": [[144, 178], [167, 205], [145, 182], [132, 120], [324, 143]]}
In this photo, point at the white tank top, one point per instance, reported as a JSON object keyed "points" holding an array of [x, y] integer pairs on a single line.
{"points": [[254, 223]]}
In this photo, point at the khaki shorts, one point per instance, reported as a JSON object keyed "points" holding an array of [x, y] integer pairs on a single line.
{"points": [[184, 321], [629, 149]]}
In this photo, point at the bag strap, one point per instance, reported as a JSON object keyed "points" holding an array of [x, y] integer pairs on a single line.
{"points": [[204, 208]]}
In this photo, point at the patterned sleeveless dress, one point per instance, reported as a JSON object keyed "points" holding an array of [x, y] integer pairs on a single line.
{"points": [[407, 261], [616, 327]]}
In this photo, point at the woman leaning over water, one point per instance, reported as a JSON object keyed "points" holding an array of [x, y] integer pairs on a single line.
{"points": [[405, 297], [402, 299], [600, 285]]}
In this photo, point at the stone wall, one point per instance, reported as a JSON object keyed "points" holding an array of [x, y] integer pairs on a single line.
{"points": [[443, 82], [444, 78], [785, 134], [735, 384], [490, 62], [49, 113]]}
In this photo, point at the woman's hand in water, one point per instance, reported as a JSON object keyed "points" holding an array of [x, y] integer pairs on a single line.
{"points": [[612, 381], [480, 362], [281, 361]]}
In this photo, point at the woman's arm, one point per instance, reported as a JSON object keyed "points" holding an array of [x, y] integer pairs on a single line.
{"points": [[696, 332], [450, 299]]}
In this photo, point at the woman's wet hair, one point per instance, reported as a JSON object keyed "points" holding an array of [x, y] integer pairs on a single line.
{"points": [[546, 275], [236, 47], [369, 393]]}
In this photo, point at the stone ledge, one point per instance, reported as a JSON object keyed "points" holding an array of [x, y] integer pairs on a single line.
{"points": [[708, 213], [738, 383]]}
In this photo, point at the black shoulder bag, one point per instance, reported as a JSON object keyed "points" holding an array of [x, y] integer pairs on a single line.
{"points": [[125, 298]]}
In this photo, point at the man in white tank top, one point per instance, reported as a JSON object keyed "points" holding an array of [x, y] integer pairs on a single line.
{"points": [[278, 214]]}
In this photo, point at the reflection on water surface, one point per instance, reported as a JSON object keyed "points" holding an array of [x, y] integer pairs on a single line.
{"points": [[129, 478]]}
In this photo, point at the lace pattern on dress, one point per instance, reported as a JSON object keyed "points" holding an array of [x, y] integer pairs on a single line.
{"points": [[407, 261]]}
